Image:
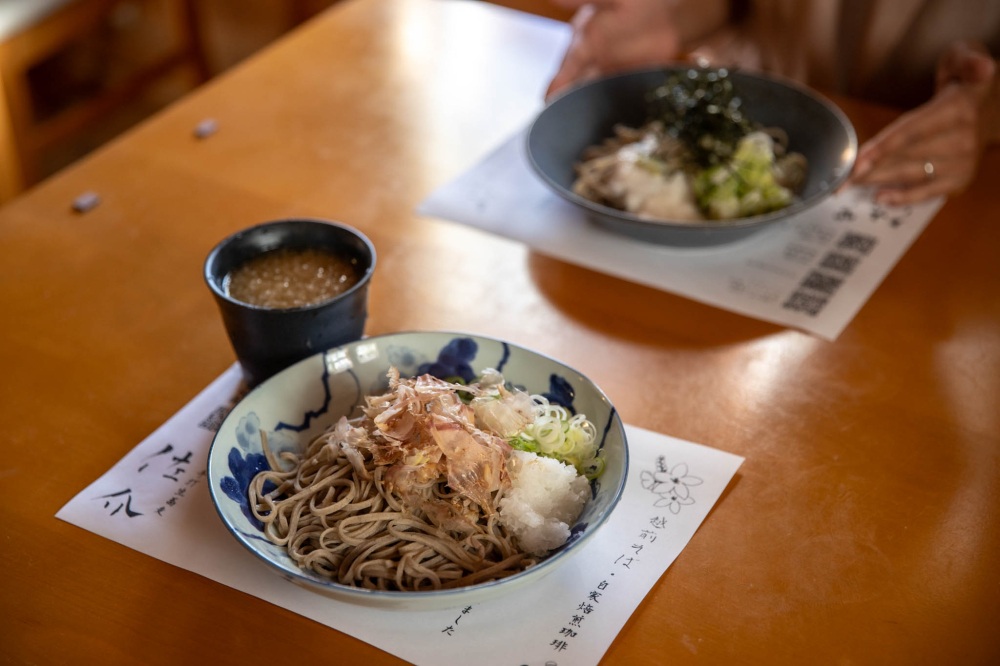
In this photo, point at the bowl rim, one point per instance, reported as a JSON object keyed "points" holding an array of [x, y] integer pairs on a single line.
{"points": [[732, 223], [216, 287], [433, 598]]}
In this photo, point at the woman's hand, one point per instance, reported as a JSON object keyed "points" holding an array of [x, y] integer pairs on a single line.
{"points": [[934, 149], [615, 35]]}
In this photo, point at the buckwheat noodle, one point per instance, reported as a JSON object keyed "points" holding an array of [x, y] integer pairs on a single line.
{"points": [[344, 524]]}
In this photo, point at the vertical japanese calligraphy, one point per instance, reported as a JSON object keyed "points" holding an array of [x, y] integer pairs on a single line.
{"points": [[670, 485], [166, 474]]}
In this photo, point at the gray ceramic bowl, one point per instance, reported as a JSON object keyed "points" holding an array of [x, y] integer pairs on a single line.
{"points": [[298, 403], [585, 115]]}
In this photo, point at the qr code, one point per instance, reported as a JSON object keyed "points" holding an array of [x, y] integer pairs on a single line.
{"points": [[213, 421], [860, 243], [810, 304], [821, 282], [839, 262]]}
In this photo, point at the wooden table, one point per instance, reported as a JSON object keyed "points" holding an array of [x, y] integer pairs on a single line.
{"points": [[864, 526]]}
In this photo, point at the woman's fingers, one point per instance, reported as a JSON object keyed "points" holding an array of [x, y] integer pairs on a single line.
{"points": [[930, 151], [934, 149], [907, 181], [579, 61]]}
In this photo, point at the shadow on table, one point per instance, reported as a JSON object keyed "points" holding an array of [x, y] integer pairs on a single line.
{"points": [[636, 312]]}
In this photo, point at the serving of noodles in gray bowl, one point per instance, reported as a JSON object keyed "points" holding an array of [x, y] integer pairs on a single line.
{"points": [[419, 470], [695, 196]]}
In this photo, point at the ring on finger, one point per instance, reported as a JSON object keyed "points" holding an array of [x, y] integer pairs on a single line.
{"points": [[928, 170]]}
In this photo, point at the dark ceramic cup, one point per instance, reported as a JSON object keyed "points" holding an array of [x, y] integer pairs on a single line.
{"points": [[267, 340]]}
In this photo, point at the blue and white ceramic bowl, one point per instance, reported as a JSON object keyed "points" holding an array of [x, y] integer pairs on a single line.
{"points": [[301, 401]]}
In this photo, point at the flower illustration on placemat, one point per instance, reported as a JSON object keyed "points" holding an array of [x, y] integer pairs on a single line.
{"points": [[671, 485]]}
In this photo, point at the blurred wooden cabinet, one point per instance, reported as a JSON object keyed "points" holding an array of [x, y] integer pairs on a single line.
{"points": [[127, 46]]}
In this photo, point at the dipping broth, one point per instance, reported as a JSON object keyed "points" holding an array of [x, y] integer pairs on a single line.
{"points": [[291, 278]]}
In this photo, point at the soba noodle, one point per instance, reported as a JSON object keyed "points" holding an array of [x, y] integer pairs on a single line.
{"points": [[355, 532], [345, 514]]}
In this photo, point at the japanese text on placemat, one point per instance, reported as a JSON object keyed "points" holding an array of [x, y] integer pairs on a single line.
{"points": [[167, 470], [671, 487]]}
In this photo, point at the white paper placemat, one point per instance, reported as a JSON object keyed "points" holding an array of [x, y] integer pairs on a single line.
{"points": [[156, 501], [814, 272]]}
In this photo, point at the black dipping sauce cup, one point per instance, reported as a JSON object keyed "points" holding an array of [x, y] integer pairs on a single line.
{"points": [[267, 340]]}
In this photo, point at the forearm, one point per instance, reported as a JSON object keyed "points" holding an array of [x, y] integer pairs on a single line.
{"points": [[693, 19], [968, 69], [697, 19], [991, 113], [615, 35]]}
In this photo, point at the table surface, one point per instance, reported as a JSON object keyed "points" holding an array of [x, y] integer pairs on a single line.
{"points": [[862, 528]]}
